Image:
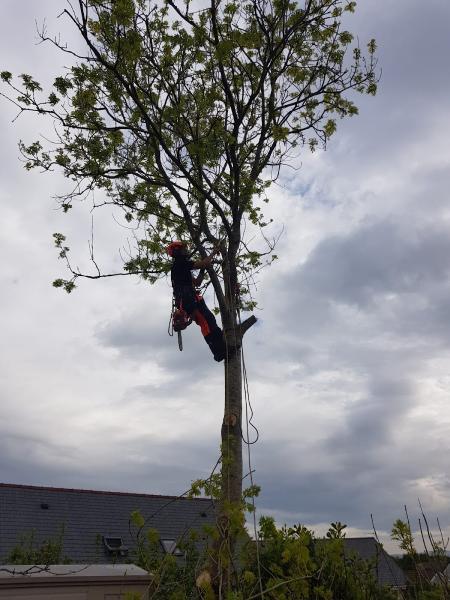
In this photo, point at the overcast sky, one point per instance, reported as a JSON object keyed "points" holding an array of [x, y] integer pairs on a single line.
{"points": [[348, 365]]}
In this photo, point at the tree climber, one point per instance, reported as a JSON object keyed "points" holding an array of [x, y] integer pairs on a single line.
{"points": [[188, 299]]}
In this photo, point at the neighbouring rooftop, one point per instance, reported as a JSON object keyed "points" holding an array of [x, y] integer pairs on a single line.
{"points": [[96, 523]]}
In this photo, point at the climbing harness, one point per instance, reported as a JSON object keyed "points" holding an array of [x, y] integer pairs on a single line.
{"points": [[180, 320]]}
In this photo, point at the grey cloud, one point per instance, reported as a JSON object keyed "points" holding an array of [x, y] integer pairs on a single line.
{"points": [[32, 445], [143, 336], [393, 277], [21, 461], [337, 495], [135, 335], [371, 304], [399, 277], [396, 125], [372, 422], [408, 53], [377, 260], [137, 464], [349, 489]]}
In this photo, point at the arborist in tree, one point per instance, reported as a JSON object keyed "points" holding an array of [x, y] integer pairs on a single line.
{"points": [[189, 300]]}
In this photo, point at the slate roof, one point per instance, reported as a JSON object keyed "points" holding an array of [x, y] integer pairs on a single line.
{"points": [[442, 577], [387, 571], [87, 515]]}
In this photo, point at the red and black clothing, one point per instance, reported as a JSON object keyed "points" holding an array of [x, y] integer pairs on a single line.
{"points": [[187, 298]]}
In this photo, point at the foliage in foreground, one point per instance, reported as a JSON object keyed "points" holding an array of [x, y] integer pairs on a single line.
{"points": [[31, 552], [288, 563], [425, 570]]}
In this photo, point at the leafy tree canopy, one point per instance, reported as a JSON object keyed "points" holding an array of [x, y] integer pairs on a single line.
{"points": [[182, 115]]}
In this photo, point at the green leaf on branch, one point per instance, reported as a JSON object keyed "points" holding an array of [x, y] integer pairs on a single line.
{"points": [[137, 519], [184, 120], [372, 46], [66, 285], [350, 6], [329, 128], [30, 84]]}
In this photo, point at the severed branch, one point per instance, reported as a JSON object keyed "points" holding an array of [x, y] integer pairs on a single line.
{"points": [[245, 325]]}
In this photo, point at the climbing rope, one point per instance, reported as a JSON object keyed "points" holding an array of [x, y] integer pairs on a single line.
{"points": [[250, 466], [248, 405], [169, 502], [235, 306], [170, 326]]}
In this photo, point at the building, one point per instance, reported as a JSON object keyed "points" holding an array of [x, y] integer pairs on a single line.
{"points": [[97, 529], [73, 582], [94, 526], [387, 572]]}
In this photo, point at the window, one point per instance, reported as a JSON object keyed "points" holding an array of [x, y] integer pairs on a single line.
{"points": [[114, 545], [170, 547]]}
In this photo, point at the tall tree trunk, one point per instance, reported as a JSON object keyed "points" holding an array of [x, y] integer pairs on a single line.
{"points": [[230, 514], [230, 518], [231, 433]]}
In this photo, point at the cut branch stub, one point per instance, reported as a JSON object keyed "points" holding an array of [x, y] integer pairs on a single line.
{"points": [[234, 335], [245, 325]]}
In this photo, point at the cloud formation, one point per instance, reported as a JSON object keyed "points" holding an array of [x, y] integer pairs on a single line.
{"points": [[348, 365]]}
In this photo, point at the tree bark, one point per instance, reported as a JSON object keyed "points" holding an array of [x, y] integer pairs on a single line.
{"points": [[232, 426], [231, 433], [230, 514]]}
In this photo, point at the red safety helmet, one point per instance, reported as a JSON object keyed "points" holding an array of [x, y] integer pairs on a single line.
{"points": [[174, 246]]}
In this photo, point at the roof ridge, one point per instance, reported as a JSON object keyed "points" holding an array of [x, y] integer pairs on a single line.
{"points": [[361, 537], [87, 491]]}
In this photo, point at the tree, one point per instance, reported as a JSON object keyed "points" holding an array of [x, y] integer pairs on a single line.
{"points": [[292, 563], [183, 118], [30, 551], [426, 570]]}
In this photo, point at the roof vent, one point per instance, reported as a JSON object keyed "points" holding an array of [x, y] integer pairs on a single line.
{"points": [[170, 547], [44, 506], [114, 545]]}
